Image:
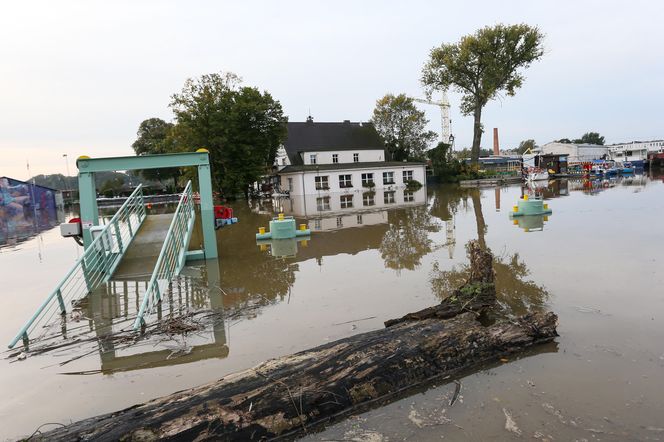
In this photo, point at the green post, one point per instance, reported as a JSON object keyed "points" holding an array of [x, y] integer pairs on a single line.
{"points": [[88, 201], [207, 211]]}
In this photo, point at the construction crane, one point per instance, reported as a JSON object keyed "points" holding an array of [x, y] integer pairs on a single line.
{"points": [[444, 105]]}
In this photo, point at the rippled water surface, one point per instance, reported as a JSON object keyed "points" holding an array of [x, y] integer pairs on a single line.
{"points": [[597, 261]]}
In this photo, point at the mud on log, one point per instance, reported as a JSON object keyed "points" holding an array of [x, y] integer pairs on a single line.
{"points": [[288, 396]]}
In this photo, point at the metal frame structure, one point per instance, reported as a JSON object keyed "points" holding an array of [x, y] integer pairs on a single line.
{"points": [[88, 192]]}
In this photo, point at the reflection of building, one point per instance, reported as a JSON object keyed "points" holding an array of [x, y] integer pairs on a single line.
{"points": [[335, 211], [324, 158]]}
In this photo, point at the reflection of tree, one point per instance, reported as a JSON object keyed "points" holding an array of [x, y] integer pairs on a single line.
{"points": [[479, 216], [407, 238], [515, 293], [445, 200]]}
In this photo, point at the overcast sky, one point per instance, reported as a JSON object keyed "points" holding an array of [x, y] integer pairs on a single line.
{"points": [[77, 77]]}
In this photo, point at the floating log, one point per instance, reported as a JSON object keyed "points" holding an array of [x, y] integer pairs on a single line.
{"points": [[292, 395]]}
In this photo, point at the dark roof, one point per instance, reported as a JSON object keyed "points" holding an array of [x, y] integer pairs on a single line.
{"points": [[319, 137], [345, 166]]}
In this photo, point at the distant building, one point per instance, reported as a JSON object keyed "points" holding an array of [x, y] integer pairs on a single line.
{"points": [[635, 152], [348, 158], [506, 164], [576, 153]]}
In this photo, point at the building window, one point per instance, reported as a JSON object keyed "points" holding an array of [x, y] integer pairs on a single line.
{"points": [[388, 198], [346, 201], [322, 182], [367, 180], [356, 158], [340, 221], [335, 158], [290, 184], [317, 224], [323, 203], [312, 158], [345, 181], [388, 177], [407, 176], [369, 199], [359, 219], [408, 196]]}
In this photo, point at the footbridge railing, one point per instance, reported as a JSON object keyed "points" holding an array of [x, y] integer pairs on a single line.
{"points": [[93, 268], [172, 256]]}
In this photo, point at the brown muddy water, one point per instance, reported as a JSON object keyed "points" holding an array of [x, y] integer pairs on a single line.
{"points": [[597, 261]]}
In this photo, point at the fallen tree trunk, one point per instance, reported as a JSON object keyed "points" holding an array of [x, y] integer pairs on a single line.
{"points": [[288, 396]]}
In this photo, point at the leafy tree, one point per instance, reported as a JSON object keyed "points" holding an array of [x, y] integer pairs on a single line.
{"points": [[402, 126], [525, 146], [590, 138], [240, 126], [564, 141], [444, 165], [482, 65], [154, 137], [466, 153]]}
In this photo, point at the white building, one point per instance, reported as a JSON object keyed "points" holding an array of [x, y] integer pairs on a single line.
{"points": [[578, 153], [635, 152], [340, 158]]}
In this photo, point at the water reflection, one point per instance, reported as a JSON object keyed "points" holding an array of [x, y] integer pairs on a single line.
{"points": [[515, 293], [406, 240], [531, 223]]}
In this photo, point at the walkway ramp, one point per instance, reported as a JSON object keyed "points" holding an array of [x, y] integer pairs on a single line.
{"points": [[130, 246], [139, 260]]}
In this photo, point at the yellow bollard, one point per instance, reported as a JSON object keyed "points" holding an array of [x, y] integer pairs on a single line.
{"points": [[515, 222], [515, 208], [546, 206], [305, 243], [525, 197], [281, 217], [546, 218], [261, 230], [303, 227], [263, 247]]}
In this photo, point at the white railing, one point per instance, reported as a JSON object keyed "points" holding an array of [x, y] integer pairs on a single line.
{"points": [[172, 256], [93, 268]]}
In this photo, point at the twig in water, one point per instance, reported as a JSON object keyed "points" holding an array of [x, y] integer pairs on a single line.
{"points": [[39, 428], [355, 320], [457, 390]]}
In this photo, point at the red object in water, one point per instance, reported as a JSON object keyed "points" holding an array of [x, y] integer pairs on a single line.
{"points": [[223, 212]]}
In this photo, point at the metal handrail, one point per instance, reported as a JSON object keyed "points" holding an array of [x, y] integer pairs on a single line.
{"points": [[172, 255], [94, 267]]}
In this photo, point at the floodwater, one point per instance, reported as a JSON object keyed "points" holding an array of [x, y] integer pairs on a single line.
{"points": [[597, 262]]}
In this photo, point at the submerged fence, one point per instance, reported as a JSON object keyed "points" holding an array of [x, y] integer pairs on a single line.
{"points": [[93, 268], [172, 256]]}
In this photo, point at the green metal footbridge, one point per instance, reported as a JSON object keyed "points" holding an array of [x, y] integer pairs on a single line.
{"points": [[132, 245]]}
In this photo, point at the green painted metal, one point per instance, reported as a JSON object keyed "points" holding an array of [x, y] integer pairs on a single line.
{"points": [[93, 268], [143, 162], [88, 196], [172, 255], [283, 227], [526, 207]]}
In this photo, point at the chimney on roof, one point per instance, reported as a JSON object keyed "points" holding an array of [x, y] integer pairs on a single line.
{"points": [[346, 121], [310, 119], [496, 145]]}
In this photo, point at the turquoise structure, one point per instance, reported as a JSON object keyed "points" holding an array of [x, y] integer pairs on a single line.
{"points": [[200, 159], [282, 227], [526, 207]]}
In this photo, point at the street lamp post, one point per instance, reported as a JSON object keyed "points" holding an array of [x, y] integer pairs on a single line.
{"points": [[64, 155]]}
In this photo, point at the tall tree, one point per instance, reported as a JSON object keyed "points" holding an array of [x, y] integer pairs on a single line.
{"points": [[154, 137], [240, 126], [482, 65], [590, 138], [403, 127], [525, 145]]}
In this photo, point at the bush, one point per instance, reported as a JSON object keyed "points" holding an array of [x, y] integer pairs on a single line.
{"points": [[413, 185]]}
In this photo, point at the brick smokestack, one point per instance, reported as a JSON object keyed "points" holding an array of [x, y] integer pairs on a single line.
{"points": [[496, 145]]}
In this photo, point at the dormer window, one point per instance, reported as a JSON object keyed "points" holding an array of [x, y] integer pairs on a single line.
{"points": [[356, 158], [335, 158], [312, 158]]}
